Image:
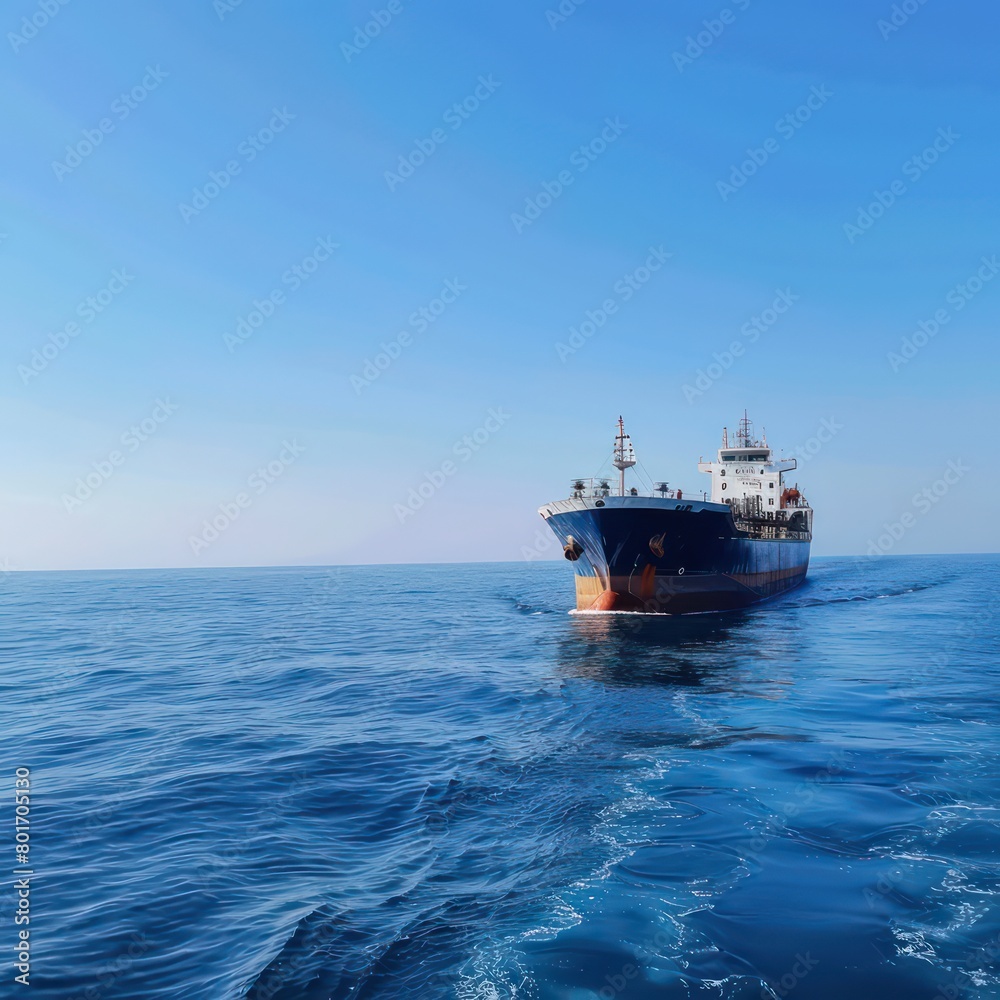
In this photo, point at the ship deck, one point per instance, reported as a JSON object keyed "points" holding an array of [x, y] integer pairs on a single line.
{"points": [[630, 503]]}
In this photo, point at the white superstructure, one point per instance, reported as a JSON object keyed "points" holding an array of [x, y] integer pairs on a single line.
{"points": [[746, 470]]}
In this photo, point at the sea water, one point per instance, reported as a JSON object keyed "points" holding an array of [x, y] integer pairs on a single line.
{"points": [[434, 782]]}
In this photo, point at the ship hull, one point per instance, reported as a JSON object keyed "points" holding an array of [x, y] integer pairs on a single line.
{"points": [[671, 557]]}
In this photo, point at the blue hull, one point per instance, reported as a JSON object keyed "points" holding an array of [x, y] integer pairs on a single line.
{"points": [[671, 558]]}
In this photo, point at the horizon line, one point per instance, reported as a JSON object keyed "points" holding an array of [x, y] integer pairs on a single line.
{"points": [[11, 571]]}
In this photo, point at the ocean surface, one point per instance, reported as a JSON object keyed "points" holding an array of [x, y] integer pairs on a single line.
{"points": [[434, 782]]}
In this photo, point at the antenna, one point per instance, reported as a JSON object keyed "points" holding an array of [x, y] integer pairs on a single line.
{"points": [[624, 455]]}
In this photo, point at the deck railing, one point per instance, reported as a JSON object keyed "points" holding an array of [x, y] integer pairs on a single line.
{"points": [[585, 489]]}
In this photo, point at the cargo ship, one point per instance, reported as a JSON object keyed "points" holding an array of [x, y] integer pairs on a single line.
{"points": [[652, 549]]}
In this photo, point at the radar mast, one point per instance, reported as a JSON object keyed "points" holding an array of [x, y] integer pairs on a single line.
{"points": [[624, 455]]}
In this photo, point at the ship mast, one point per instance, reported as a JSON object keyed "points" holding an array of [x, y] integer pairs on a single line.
{"points": [[743, 437], [624, 455]]}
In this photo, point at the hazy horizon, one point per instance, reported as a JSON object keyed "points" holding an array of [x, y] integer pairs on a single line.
{"points": [[557, 559]]}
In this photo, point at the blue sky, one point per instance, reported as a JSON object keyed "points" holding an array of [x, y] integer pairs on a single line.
{"points": [[461, 186]]}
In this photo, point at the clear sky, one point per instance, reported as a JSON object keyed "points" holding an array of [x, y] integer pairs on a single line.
{"points": [[222, 220]]}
